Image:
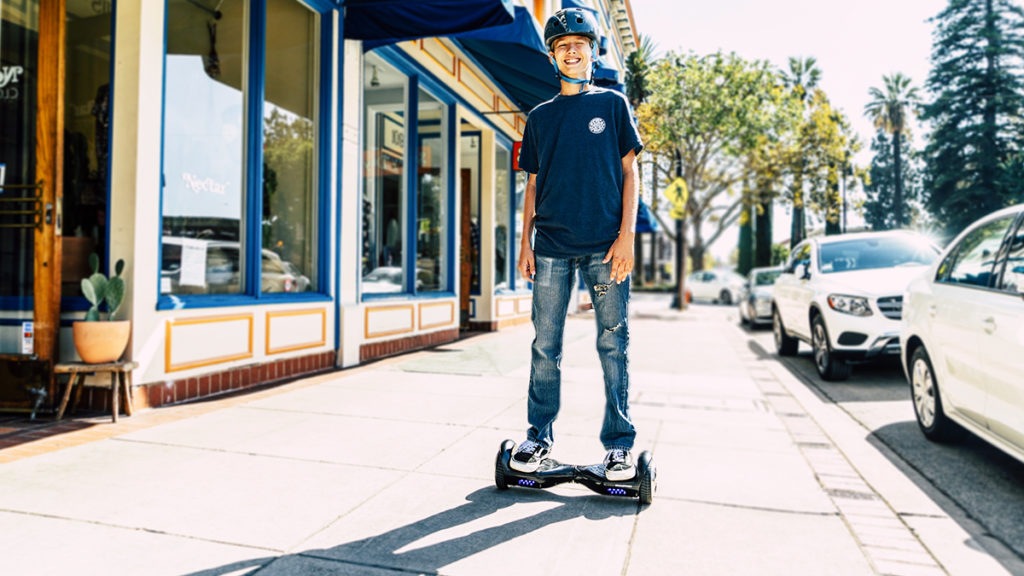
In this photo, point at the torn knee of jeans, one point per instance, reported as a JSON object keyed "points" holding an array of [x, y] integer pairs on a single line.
{"points": [[612, 329], [601, 289]]}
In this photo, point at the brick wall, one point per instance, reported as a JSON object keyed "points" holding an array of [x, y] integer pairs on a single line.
{"points": [[194, 387]]}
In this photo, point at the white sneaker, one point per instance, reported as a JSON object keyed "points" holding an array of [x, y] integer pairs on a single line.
{"points": [[618, 465], [528, 456]]}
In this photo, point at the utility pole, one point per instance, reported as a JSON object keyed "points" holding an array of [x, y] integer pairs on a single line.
{"points": [[678, 194]]}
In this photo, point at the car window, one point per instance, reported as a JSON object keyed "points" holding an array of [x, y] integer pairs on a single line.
{"points": [[875, 252], [766, 278], [972, 261], [801, 255], [1013, 273]]}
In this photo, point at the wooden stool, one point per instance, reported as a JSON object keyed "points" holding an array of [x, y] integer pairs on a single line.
{"points": [[120, 378]]}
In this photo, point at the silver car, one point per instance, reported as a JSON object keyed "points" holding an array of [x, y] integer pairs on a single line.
{"points": [[756, 296]]}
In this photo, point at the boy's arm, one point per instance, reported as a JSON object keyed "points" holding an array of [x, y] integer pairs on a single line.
{"points": [[621, 252], [527, 266]]}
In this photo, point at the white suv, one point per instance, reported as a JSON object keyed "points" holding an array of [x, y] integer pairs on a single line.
{"points": [[844, 296]]}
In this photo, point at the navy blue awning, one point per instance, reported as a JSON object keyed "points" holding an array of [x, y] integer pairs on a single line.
{"points": [[389, 21], [516, 57], [645, 221]]}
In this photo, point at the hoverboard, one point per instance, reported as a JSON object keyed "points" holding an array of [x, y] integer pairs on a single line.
{"points": [[552, 473]]}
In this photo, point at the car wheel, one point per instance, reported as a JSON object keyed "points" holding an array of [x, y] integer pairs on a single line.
{"points": [[785, 345], [829, 367], [924, 390], [725, 297]]}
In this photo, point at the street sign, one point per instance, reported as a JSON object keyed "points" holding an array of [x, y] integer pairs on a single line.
{"points": [[677, 193]]}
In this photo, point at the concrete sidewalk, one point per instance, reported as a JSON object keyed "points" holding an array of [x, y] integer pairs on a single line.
{"points": [[388, 469]]}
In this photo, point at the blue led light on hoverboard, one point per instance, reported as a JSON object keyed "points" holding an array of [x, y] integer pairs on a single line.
{"points": [[616, 491], [528, 483]]}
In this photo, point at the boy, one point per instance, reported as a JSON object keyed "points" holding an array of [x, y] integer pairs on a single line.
{"points": [[579, 209]]}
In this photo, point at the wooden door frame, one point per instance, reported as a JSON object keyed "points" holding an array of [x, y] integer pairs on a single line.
{"points": [[49, 173]]}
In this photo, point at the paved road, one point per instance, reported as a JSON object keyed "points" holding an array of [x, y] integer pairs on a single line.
{"points": [[979, 485]]}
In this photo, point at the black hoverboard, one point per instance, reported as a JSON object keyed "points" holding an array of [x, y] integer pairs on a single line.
{"points": [[552, 473]]}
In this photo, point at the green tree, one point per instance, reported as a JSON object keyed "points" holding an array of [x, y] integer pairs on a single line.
{"points": [[708, 111], [977, 76], [824, 144], [879, 207], [801, 79], [890, 110], [638, 63]]}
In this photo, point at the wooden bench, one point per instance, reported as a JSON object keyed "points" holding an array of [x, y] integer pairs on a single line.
{"points": [[120, 379]]}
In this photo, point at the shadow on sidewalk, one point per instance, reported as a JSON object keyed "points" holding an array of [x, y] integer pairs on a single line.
{"points": [[18, 429], [390, 551]]}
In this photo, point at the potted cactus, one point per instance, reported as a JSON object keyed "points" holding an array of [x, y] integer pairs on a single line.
{"points": [[97, 339]]}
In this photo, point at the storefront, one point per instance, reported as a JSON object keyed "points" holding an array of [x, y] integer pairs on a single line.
{"points": [[295, 185]]}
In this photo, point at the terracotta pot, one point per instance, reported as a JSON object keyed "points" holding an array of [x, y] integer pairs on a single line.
{"points": [[101, 342]]}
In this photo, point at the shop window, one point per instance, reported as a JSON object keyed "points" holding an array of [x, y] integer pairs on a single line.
{"points": [[289, 228], [86, 143], [432, 196], [469, 179], [212, 148], [520, 196], [502, 218], [384, 195], [404, 230]]}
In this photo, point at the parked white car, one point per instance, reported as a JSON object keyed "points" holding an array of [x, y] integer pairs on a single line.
{"points": [[756, 296], [843, 295], [963, 336], [718, 286]]}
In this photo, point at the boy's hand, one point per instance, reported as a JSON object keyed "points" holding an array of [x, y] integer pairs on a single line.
{"points": [[621, 257], [527, 266]]}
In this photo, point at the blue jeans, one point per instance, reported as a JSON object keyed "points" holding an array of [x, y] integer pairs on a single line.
{"points": [[553, 283]]}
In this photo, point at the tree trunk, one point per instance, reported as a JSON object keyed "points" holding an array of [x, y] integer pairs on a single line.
{"points": [[746, 243], [897, 168], [763, 235]]}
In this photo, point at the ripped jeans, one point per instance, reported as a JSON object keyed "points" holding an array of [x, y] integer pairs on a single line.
{"points": [[553, 283]]}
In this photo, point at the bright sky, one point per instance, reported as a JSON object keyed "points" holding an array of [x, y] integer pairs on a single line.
{"points": [[855, 44]]}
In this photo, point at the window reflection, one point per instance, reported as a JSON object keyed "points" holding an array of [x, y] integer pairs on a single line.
{"points": [[432, 198], [203, 150], [384, 185], [289, 150], [502, 217]]}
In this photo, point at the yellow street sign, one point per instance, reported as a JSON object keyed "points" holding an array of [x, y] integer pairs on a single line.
{"points": [[677, 192], [677, 212]]}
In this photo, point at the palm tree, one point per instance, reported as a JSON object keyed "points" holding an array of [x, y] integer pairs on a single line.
{"points": [[803, 76], [889, 110], [802, 79]]}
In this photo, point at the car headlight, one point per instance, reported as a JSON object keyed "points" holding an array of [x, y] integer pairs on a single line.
{"points": [[854, 305]]}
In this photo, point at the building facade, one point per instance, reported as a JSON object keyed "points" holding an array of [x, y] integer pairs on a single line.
{"points": [[295, 186]]}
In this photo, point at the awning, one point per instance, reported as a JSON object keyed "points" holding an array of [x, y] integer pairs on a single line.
{"points": [[516, 57], [645, 221], [389, 21]]}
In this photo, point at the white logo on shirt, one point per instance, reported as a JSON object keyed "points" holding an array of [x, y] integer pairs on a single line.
{"points": [[596, 126]]}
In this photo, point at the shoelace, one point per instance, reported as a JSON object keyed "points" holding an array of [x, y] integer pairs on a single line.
{"points": [[616, 456], [529, 447]]}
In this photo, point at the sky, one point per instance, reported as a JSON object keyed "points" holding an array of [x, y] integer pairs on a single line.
{"points": [[855, 44]]}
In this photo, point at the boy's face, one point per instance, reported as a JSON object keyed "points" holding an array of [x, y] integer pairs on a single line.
{"points": [[573, 55]]}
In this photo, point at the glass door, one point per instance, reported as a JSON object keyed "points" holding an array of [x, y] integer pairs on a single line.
{"points": [[21, 202], [33, 175]]}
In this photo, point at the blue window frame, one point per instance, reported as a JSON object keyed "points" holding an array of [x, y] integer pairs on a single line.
{"points": [[245, 158], [426, 196]]}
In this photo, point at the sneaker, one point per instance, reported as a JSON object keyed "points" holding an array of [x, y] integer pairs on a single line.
{"points": [[618, 465], [528, 456]]}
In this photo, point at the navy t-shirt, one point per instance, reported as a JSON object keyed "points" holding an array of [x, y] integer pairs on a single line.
{"points": [[575, 145]]}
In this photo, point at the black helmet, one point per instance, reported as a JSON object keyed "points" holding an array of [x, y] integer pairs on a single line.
{"points": [[570, 21]]}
